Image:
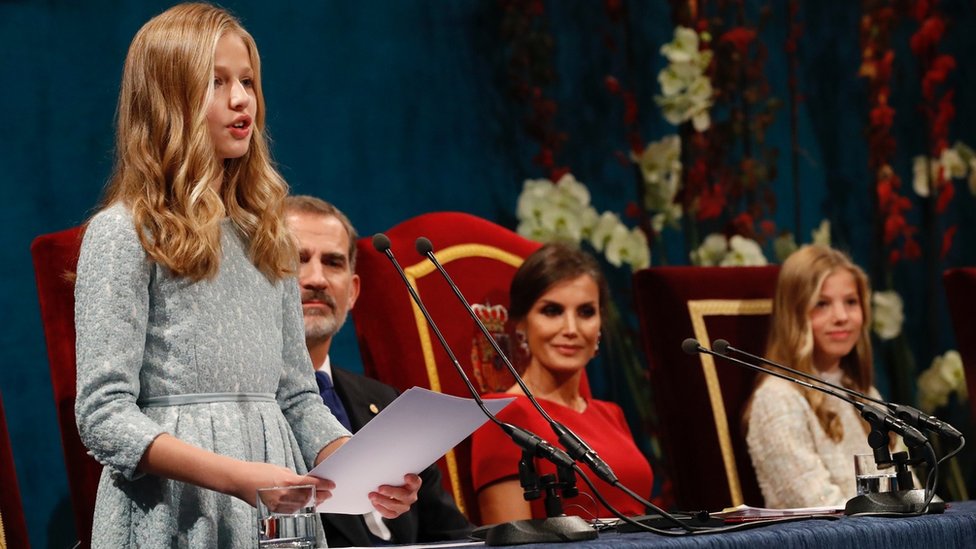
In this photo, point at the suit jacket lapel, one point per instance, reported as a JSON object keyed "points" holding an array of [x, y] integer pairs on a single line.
{"points": [[356, 401]]}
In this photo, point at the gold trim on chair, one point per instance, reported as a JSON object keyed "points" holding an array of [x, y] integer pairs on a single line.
{"points": [[419, 270], [698, 309]]}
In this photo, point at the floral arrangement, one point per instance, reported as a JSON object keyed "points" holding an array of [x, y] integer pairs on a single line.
{"points": [[711, 180], [944, 377], [717, 250], [935, 175], [660, 168], [686, 91], [561, 211]]}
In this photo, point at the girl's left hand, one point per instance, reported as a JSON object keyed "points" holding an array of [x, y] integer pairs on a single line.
{"points": [[393, 501]]}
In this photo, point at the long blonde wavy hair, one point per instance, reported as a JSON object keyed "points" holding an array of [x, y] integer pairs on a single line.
{"points": [[166, 168], [791, 336]]}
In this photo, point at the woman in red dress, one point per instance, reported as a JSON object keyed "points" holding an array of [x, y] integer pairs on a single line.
{"points": [[557, 301]]}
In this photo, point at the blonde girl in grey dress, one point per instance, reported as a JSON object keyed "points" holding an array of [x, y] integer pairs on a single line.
{"points": [[194, 385]]}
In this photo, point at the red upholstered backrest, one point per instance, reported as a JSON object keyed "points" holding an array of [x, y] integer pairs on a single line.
{"points": [[700, 400], [13, 526], [55, 261], [396, 344], [960, 288]]}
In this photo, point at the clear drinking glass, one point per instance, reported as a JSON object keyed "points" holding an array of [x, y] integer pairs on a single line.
{"points": [[870, 479], [287, 517]]}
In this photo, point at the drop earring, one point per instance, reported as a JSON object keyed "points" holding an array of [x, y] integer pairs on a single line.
{"points": [[523, 342]]}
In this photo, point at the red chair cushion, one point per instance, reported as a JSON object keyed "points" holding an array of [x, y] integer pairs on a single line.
{"points": [[13, 525], [396, 345], [687, 427], [55, 261], [960, 288]]}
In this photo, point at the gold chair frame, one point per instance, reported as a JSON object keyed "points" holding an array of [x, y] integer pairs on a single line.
{"points": [[699, 309], [419, 270]]}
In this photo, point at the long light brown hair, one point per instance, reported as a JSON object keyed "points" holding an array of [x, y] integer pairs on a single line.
{"points": [[791, 336], [166, 168]]}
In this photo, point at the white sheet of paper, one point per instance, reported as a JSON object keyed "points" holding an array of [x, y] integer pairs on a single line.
{"points": [[412, 432]]}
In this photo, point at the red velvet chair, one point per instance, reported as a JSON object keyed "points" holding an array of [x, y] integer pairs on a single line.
{"points": [[960, 288], [396, 344], [13, 525], [699, 403], [55, 261]]}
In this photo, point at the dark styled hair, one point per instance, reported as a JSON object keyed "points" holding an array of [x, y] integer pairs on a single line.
{"points": [[550, 264]]}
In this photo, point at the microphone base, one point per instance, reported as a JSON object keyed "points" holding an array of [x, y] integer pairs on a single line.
{"points": [[907, 502], [547, 530]]}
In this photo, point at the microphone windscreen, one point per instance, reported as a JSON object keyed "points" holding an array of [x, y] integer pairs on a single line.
{"points": [[381, 242], [690, 346], [423, 246], [720, 346]]}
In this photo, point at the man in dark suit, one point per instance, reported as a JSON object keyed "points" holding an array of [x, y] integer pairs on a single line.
{"points": [[329, 286]]}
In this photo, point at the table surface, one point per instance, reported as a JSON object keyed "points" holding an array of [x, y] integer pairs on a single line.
{"points": [[954, 528]]}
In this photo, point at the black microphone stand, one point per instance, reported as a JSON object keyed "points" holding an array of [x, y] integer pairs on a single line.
{"points": [[575, 446], [908, 414], [910, 501], [874, 503], [557, 527]]}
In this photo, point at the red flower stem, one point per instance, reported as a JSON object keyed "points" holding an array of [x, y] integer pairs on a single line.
{"points": [[791, 54]]}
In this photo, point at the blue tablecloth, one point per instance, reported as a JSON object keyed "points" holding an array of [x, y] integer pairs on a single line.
{"points": [[953, 529]]}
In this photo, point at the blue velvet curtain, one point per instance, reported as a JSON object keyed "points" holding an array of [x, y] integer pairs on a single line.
{"points": [[392, 108]]}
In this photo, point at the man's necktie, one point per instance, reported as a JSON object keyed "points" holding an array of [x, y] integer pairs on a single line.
{"points": [[331, 398]]}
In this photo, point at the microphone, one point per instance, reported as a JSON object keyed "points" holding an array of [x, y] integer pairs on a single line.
{"points": [[552, 529], [906, 501], [522, 437], [574, 445], [875, 416], [908, 414]]}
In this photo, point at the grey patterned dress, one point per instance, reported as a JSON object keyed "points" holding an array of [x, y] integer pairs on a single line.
{"points": [[220, 364]]}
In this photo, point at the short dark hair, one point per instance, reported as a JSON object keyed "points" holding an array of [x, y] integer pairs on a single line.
{"points": [[550, 264], [311, 205]]}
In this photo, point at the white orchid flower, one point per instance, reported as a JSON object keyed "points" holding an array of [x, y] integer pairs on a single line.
{"points": [[589, 219], [686, 92], [637, 251], [950, 367], [783, 246], [573, 191], [532, 229], [972, 176], [701, 121], [923, 171], [952, 163], [670, 216], [821, 235], [604, 229], [888, 314], [535, 197], [711, 251], [672, 81], [565, 224], [616, 248], [683, 48], [938, 381], [743, 252]]}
